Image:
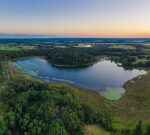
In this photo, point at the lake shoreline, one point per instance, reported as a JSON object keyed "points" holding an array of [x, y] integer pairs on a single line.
{"points": [[57, 80], [62, 66], [135, 78]]}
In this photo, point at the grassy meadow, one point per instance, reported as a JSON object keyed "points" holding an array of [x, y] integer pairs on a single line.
{"points": [[127, 47], [10, 48], [95, 130], [15, 48]]}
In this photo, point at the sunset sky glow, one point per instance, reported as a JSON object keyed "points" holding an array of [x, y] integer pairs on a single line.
{"points": [[76, 18]]}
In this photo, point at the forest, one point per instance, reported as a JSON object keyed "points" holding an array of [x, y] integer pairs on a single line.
{"points": [[37, 108]]}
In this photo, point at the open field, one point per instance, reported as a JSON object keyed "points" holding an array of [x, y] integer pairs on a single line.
{"points": [[84, 45], [123, 47], [61, 46], [10, 48], [16, 48], [95, 130], [27, 47]]}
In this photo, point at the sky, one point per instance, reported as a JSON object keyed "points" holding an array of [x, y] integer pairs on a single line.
{"points": [[75, 18]]}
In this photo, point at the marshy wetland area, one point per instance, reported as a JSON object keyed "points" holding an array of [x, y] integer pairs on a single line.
{"points": [[109, 76]]}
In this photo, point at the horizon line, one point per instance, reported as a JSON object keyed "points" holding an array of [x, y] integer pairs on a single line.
{"points": [[28, 35], [75, 37]]}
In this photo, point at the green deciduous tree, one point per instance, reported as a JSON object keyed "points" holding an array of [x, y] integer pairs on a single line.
{"points": [[57, 128], [138, 129]]}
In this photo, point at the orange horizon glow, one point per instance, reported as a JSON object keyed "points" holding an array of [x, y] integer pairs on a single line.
{"points": [[80, 18], [92, 35]]}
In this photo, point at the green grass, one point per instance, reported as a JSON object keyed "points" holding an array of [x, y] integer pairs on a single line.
{"points": [[127, 47], [2, 86], [16, 48], [61, 46], [10, 48], [113, 93], [95, 130], [28, 47]]}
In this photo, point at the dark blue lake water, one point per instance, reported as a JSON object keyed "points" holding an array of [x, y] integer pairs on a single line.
{"points": [[104, 76]]}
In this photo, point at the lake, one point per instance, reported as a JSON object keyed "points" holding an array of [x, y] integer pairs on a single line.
{"points": [[105, 76]]}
